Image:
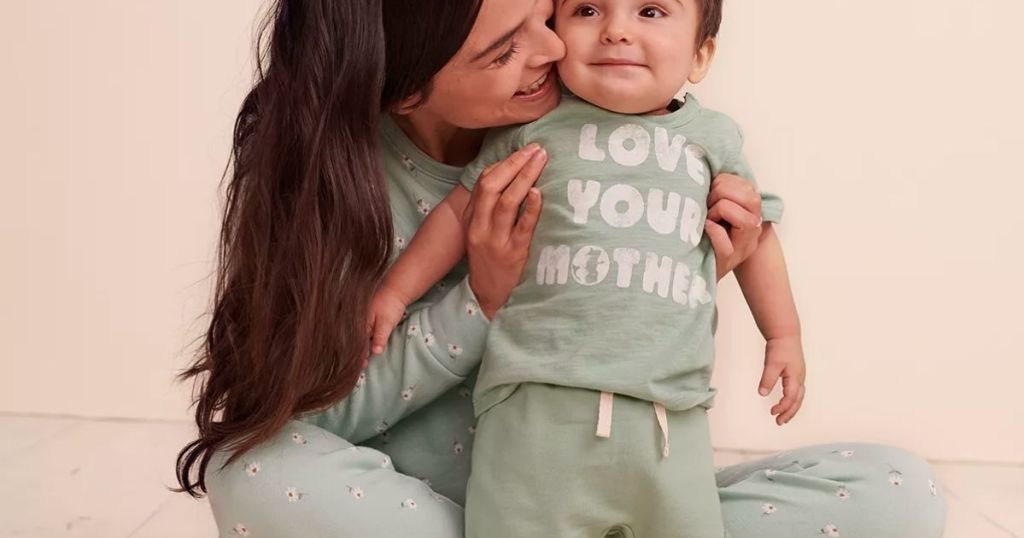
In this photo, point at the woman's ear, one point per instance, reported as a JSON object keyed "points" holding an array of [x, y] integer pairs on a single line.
{"points": [[408, 104], [702, 61]]}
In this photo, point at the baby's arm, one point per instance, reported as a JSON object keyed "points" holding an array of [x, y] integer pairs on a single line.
{"points": [[765, 284], [437, 246]]}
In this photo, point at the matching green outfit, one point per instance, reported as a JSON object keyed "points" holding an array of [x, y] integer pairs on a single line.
{"points": [[393, 458]]}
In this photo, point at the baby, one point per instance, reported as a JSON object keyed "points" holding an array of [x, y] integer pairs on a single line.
{"points": [[617, 302]]}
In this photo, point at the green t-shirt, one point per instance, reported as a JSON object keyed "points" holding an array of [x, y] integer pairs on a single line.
{"points": [[618, 294]]}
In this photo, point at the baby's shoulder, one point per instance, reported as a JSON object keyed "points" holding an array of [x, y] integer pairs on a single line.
{"points": [[716, 131], [711, 120]]}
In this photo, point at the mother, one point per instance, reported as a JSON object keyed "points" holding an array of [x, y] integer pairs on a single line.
{"points": [[362, 115]]}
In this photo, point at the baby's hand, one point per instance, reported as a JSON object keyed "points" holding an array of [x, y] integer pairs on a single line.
{"points": [[386, 311], [784, 357]]}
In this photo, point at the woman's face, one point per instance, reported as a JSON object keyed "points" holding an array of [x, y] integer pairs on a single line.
{"points": [[504, 72]]}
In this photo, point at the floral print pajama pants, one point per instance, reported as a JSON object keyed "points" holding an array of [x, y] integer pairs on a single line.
{"points": [[308, 482]]}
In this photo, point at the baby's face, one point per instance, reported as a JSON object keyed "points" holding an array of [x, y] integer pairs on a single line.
{"points": [[628, 56]]}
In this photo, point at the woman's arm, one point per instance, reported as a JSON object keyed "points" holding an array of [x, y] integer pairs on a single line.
{"points": [[429, 352], [440, 344]]}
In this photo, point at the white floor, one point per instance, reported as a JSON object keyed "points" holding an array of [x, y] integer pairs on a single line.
{"points": [[109, 479]]}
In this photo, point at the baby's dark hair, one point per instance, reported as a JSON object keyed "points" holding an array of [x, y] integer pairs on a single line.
{"points": [[710, 20]]}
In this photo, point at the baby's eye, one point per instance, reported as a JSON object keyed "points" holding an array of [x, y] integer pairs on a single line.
{"points": [[586, 11], [652, 12]]}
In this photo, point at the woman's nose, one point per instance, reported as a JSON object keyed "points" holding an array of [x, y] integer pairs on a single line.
{"points": [[551, 48]]}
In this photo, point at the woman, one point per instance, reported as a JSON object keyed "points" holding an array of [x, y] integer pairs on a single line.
{"points": [[362, 115]]}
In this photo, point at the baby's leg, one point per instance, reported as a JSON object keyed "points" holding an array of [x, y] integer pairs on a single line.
{"points": [[539, 470]]}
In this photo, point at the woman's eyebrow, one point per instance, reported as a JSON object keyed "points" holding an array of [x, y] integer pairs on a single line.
{"points": [[499, 43]]}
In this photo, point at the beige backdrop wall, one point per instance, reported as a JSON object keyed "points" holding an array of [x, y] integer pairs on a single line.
{"points": [[891, 128]]}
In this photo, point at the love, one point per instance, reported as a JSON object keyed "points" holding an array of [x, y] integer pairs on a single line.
{"points": [[630, 145]]}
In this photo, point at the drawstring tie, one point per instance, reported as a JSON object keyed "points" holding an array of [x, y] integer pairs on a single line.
{"points": [[604, 420]]}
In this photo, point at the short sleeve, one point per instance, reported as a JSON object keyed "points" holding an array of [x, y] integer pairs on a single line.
{"points": [[498, 144], [772, 205]]}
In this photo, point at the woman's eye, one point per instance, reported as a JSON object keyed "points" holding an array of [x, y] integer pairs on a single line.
{"points": [[586, 11], [507, 56], [651, 12]]}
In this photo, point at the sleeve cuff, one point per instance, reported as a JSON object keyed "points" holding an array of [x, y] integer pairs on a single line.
{"points": [[772, 208]]}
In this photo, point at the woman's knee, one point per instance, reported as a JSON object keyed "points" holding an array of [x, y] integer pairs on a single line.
{"points": [[899, 488], [307, 481]]}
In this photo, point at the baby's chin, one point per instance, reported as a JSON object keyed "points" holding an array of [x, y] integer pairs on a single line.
{"points": [[621, 97]]}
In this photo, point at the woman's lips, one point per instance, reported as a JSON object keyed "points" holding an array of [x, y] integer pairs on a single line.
{"points": [[542, 91]]}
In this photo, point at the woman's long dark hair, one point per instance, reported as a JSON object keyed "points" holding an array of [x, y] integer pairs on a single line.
{"points": [[307, 229]]}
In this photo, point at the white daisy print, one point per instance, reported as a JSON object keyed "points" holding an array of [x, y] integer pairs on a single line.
{"points": [[252, 468], [472, 308], [240, 529], [843, 493], [464, 392], [362, 380], [472, 429], [422, 206], [299, 439], [454, 351], [844, 453], [399, 243], [457, 448], [409, 503], [413, 330], [770, 474], [356, 492], [932, 488], [896, 478], [830, 530], [382, 427], [408, 393], [429, 339], [767, 509], [407, 162], [293, 495], [442, 285], [385, 463]]}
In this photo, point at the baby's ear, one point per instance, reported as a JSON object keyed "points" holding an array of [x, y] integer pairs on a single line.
{"points": [[702, 60]]}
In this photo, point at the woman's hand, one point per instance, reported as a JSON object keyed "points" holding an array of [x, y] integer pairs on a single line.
{"points": [[733, 202], [497, 236]]}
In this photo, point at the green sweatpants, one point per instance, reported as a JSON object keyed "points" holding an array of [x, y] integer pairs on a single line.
{"points": [[540, 470]]}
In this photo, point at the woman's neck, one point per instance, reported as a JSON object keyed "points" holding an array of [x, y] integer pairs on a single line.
{"points": [[440, 140]]}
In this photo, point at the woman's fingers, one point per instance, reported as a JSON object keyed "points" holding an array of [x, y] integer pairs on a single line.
{"points": [[489, 187], [736, 215], [719, 238], [507, 207], [522, 234], [737, 189]]}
